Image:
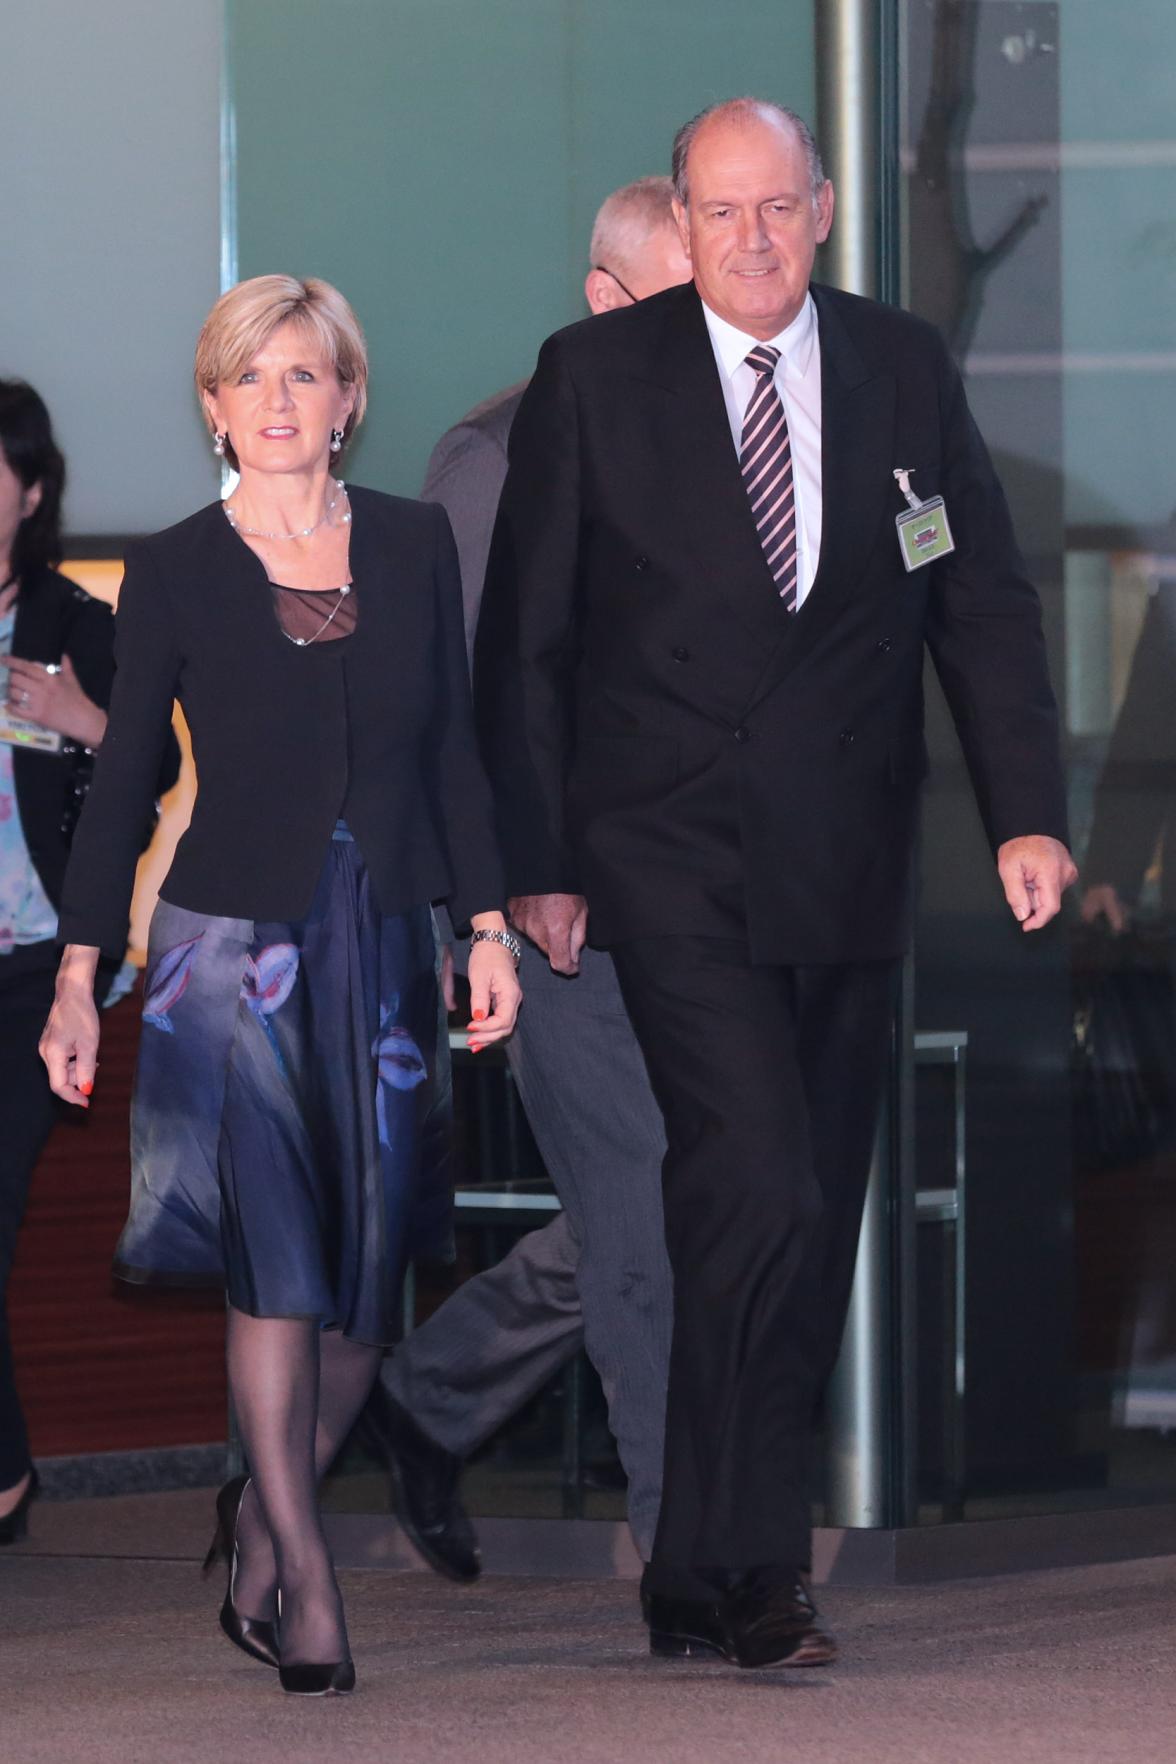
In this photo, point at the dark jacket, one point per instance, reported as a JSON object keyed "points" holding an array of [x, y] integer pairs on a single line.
{"points": [[376, 727], [55, 618], [1135, 804], [662, 736], [465, 475]]}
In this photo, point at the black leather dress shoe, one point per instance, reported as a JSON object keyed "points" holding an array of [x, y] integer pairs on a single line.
{"points": [[424, 1481], [761, 1621], [772, 1621]]}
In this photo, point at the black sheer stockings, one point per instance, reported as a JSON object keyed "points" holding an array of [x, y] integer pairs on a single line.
{"points": [[297, 1390]]}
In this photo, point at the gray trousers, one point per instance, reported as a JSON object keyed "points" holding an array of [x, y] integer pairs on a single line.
{"points": [[598, 1275]]}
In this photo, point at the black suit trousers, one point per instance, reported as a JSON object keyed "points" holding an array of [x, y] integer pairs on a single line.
{"points": [[27, 977], [769, 1078]]}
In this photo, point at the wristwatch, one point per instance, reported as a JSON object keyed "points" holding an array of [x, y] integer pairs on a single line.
{"points": [[507, 939]]}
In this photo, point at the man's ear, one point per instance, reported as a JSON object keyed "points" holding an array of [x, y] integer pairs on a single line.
{"points": [[824, 205], [603, 293], [682, 222]]}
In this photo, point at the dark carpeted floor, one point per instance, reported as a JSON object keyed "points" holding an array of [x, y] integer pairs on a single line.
{"points": [[116, 1659]]}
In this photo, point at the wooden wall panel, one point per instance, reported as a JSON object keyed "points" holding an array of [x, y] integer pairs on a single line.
{"points": [[102, 1366]]}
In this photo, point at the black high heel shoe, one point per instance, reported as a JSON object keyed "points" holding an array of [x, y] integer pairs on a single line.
{"points": [[256, 1636], [15, 1525], [309, 1678], [312, 1680]]}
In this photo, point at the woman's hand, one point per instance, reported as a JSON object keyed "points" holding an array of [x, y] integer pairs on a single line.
{"points": [[52, 697], [495, 994], [69, 1041]]}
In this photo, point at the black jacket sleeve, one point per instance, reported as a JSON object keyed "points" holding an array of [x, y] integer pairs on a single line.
{"points": [[985, 637], [466, 805], [88, 643], [100, 877], [525, 652]]}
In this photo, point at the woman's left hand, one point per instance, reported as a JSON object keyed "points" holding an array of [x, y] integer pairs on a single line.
{"points": [[53, 698], [495, 994]]}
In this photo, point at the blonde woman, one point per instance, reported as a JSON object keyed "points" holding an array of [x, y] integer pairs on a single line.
{"points": [[289, 1057]]}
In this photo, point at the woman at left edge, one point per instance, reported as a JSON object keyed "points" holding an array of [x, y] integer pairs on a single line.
{"points": [[290, 1050], [56, 668]]}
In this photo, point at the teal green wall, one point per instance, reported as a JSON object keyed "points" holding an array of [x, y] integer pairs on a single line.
{"points": [[109, 227], [442, 160], [1118, 92]]}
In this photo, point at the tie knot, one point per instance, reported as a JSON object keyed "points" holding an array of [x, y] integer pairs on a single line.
{"points": [[763, 359]]}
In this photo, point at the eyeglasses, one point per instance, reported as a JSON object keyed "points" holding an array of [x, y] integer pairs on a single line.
{"points": [[605, 271]]}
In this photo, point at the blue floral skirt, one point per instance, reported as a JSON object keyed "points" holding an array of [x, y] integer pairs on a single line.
{"points": [[290, 1121]]}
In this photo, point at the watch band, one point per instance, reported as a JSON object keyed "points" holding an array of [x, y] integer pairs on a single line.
{"points": [[507, 939]]}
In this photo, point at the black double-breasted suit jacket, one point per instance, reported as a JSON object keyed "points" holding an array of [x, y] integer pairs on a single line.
{"points": [[663, 737]]}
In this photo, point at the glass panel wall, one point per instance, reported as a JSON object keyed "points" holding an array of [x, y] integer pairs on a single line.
{"points": [[1039, 196]]}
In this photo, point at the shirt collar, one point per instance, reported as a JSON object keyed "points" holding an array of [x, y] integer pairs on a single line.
{"points": [[795, 342]]}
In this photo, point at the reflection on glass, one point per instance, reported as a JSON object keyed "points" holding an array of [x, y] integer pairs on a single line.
{"points": [[1040, 184]]}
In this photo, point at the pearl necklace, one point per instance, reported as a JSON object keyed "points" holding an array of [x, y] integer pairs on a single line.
{"points": [[303, 532], [344, 591]]}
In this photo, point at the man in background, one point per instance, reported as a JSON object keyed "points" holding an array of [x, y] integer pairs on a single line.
{"points": [[598, 1275]]}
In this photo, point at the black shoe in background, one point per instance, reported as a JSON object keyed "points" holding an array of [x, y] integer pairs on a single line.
{"points": [[15, 1524], [424, 1480], [766, 1618], [770, 1620]]}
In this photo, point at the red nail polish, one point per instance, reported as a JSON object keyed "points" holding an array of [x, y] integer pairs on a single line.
{"points": [[86, 1086], [479, 1016], [475, 1047]]}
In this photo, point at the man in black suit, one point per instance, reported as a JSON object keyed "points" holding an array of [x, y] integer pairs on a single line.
{"points": [[698, 677], [598, 1274]]}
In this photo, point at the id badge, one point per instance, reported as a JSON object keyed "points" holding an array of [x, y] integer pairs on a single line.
{"points": [[20, 734], [16, 732], [924, 532]]}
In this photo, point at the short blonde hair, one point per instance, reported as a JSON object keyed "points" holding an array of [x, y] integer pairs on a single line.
{"points": [[245, 317]]}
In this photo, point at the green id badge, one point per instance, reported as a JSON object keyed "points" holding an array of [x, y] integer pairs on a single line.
{"points": [[924, 532]]}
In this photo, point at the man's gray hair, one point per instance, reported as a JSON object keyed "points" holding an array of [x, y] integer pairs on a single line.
{"points": [[745, 110], [626, 220]]}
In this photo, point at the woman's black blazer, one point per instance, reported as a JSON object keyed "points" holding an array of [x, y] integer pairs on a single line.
{"points": [[55, 618], [376, 726]]}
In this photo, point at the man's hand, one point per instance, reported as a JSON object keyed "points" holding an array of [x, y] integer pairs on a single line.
{"points": [[448, 989], [557, 923], [1104, 899], [1035, 871]]}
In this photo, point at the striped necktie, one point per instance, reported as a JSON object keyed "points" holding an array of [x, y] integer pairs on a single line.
{"points": [[765, 459]]}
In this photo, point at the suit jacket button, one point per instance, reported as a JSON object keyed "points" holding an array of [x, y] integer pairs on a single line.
{"points": [[846, 738], [885, 645], [742, 735], [640, 563], [680, 654]]}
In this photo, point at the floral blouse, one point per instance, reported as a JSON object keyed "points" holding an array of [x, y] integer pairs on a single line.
{"points": [[26, 912]]}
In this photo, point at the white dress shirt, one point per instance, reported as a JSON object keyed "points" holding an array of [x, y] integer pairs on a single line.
{"points": [[798, 381]]}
